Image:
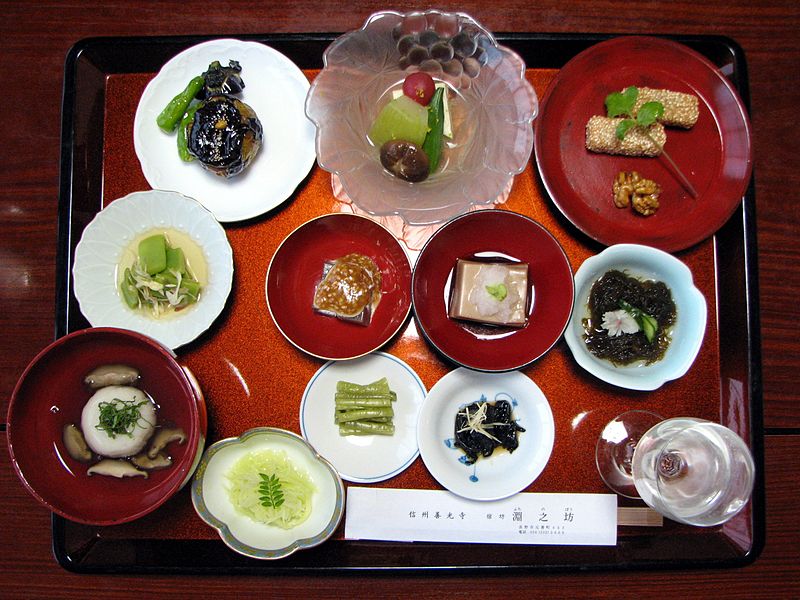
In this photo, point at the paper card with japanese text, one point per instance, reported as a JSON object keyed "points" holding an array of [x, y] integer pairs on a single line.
{"points": [[439, 516]]}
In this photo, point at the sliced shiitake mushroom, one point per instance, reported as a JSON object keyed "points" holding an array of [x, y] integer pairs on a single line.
{"points": [[106, 375], [164, 437], [115, 468], [405, 160], [76, 444]]}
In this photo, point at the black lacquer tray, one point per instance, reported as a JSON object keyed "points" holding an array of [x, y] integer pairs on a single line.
{"points": [[90, 550]]}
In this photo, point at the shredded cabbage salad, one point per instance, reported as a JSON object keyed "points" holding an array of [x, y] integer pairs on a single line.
{"points": [[296, 486]]}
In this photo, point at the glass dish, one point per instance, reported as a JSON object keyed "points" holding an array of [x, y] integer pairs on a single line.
{"points": [[491, 115]]}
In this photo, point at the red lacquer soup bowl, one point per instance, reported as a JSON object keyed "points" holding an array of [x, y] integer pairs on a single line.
{"points": [[493, 236], [51, 394]]}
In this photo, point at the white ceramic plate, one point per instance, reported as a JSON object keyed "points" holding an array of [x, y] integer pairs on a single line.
{"points": [[249, 537], [502, 474], [275, 88], [363, 458], [114, 228], [642, 262]]}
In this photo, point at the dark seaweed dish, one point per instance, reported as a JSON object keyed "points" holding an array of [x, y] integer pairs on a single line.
{"points": [[483, 426], [630, 319]]}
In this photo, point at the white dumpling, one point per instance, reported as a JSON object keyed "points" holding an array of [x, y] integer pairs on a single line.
{"points": [[122, 444]]}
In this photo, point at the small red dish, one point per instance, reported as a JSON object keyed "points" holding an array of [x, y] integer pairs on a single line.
{"points": [[508, 236], [51, 394], [715, 155], [297, 268]]}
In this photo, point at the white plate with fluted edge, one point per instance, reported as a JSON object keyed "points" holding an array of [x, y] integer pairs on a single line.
{"points": [[642, 262], [275, 88], [363, 458], [504, 473], [111, 233], [259, 540]]}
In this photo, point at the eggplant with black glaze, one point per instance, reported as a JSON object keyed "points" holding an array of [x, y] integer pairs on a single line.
{"points": [[224, 135], [222, 80]]}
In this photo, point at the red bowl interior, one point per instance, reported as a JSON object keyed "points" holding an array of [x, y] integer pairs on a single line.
{"points": [[50, 394], [296, 269], [715, 154], [493, 233]]}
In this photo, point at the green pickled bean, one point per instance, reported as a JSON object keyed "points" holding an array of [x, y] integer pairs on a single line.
{"points": [[173, 112]]}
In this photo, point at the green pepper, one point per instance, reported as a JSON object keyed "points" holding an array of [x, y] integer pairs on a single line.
{"points": [[432, 146], [183, 144], [169, 118]]}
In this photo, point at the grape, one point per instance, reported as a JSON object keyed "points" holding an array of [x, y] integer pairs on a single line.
{"points": [[419, 86], [481, 55], [405, 43], [400, 119], [464, 45], [414, 23], [442, 51], [453, 68], [417, 54], [446, 26], [471, 67], [428, 38], [431, 66]]}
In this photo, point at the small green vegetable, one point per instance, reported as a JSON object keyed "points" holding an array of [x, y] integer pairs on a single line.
{"points": [[119, 417], [498, 291], [432, 146], [128, 288], [270, 490], [620, 104], [364, 409], [183, 142], [153, 253], [173, 112], [647, 323]]}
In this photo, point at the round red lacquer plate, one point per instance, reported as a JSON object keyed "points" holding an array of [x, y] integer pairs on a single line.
{"points": [[715, 154], [297, 268], [493, 235]]}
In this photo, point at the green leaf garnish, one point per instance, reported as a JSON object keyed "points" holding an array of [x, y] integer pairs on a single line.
{"points": [[498, 291], [120, 417], [649, 113], [646, 323], [271, 494], [623, 127], [621, 103]]}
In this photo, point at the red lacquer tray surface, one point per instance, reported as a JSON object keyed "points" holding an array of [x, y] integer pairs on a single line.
{"points": [[252, 376]]}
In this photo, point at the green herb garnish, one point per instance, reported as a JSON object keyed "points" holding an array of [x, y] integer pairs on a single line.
{"points": [[120, 417], [497, 291], [271, 494], [646, 323], [620, 104]]}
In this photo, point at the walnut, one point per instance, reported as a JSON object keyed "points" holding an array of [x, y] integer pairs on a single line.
{"points": [[631, 189]]}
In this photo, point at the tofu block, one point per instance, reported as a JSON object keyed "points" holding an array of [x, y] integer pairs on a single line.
{"points": [[494, 293]]}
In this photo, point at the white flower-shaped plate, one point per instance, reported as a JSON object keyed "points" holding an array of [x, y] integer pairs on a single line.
{"points": [[275, 88], [259, 540], [502, 474], [111, 232], [364, 458]]}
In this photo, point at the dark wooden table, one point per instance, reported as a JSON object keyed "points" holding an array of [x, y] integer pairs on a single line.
{"points": [[34, 40]]}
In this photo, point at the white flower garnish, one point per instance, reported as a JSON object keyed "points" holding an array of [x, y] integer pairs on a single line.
{"points": [[618, 322]]}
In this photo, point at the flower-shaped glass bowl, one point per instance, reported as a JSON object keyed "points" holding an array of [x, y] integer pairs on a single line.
{"points": [[491, 105]]}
